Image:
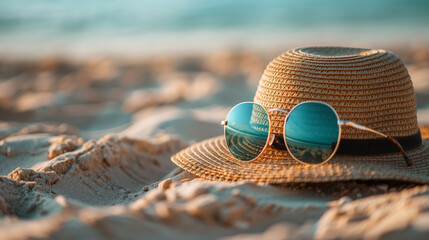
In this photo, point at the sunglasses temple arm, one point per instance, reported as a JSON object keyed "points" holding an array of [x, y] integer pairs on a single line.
{"points": [[357, 126]]}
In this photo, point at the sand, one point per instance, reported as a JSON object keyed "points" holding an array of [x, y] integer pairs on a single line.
{"points": [[85, 151]]}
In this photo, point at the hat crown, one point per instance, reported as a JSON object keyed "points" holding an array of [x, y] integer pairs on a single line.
{"points": [[366, 86]]}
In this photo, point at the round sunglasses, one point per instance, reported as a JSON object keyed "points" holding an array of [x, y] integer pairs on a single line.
{"points": [[311, 132]]}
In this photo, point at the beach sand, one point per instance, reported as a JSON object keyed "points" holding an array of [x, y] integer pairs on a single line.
{"points": [[86, 144]]}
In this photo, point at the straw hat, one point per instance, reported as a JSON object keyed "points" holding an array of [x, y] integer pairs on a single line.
{"points": [[368, 87]]}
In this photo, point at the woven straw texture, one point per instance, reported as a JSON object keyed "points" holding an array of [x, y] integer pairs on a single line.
{"points": [[368, 87]]}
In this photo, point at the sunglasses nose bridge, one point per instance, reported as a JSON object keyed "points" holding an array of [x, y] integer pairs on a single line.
{"points": [[270, 112], [272, 138], [277, 110]]}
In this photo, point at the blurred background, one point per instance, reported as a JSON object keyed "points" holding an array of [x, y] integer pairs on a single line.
{"points": [[143, 67]]}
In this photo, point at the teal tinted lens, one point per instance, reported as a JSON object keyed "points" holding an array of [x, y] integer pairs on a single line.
{"points": [[312, 132], [246, 130]]}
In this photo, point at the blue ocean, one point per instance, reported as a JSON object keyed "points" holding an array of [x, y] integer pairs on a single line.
{"points": [[27, 25]]}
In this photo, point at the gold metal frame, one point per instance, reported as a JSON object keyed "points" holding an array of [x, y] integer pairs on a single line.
{"points": [[341, 123]]}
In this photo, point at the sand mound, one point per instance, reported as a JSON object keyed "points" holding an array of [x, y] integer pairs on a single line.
{"points": [[171, 91], [390, 216], [173, 210], [109, 171], [16, 129], [183, 207]]}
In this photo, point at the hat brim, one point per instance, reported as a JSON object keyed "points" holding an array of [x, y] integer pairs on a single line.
{"points": [[211, 160]]}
